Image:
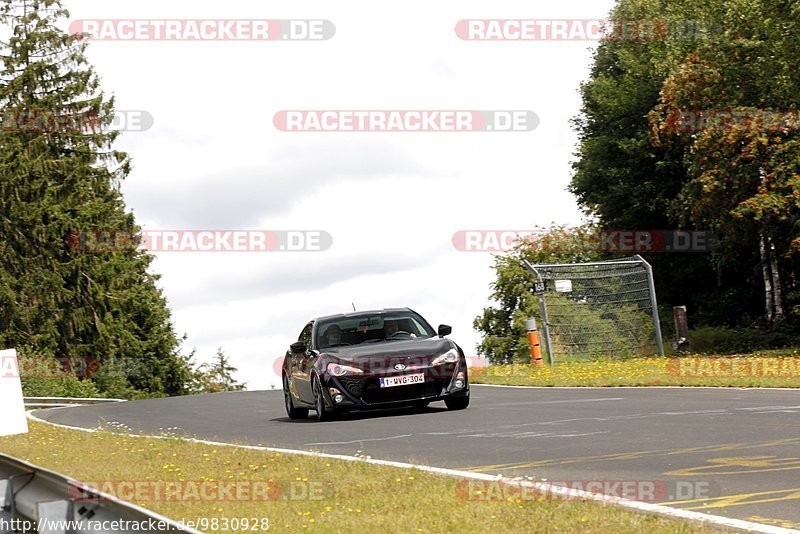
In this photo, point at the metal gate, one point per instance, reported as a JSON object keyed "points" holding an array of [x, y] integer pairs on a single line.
{"points": [[598, 309]]}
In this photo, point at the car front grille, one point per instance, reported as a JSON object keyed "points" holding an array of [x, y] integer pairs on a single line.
{"points": [[367, 387]]}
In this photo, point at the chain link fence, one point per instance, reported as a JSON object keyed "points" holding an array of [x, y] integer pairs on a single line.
{"points": [[598, 309]]}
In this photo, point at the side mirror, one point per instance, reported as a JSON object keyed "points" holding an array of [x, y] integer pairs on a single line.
{"points": [[298, 347], [445, 330]]}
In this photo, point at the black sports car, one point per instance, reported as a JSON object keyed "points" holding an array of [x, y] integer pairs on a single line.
{"points": [[373, 359]]}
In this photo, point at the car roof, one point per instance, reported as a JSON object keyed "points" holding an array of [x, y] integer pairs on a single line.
{"points": [[359, 312]]}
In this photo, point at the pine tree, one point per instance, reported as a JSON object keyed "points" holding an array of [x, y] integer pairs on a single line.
{"points": [[216, 377], [60, 174]]}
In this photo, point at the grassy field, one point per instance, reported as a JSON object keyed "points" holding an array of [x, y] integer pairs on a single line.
{"points": [[768, 369], [306, 493]]}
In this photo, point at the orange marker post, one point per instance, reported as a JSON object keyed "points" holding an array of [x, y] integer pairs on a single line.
{"points": [[533, 340]]}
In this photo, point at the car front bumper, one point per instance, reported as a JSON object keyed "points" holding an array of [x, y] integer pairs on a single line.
{"points": [[364, 391]]}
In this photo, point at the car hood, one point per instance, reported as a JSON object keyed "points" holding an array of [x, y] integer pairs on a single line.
{"points": [[391, 349]]}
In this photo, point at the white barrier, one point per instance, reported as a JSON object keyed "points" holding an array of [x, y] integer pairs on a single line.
{"points": [[13, 420]]}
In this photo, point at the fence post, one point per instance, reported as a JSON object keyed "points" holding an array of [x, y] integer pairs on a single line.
{"points": [[654, 304], [681, 329], [547, 345], [543, 308], [533, 341]]}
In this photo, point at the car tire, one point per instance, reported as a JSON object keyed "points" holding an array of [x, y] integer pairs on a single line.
{"points": [[457, 403], [293, 413], [319, 400]]}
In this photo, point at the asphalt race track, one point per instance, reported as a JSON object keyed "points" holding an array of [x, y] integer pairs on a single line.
{"points": [[729, 452]]}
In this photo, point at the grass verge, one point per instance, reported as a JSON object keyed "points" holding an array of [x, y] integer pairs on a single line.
{"points": [[754, 370], [316, 494]]}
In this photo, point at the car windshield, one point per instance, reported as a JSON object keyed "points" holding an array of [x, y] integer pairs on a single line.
{"points": [[382, 327]]}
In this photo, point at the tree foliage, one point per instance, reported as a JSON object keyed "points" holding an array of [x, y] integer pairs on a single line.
{"points": [[59, 174], [638, 167], [216, 377], [731, 109]]}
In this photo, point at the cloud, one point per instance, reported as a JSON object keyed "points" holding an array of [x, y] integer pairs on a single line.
{"points": [[237, 198], [303, 272]]}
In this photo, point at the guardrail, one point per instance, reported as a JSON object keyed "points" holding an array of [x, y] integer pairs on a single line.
{"points": [[60, 402], [47, 502]]}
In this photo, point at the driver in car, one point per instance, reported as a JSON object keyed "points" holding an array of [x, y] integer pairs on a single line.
{"points": [[332, 336], [389, 328]]}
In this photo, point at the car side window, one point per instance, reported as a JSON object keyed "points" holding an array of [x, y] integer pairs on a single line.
{"points": [[305, 335]]}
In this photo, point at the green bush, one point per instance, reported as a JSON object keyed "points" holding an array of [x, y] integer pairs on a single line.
{"points": [[593, 331], [43, 377], [48, 376], [722, 340]]}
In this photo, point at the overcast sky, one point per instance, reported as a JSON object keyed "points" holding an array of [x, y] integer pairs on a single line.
{"points": [[391, 201]]}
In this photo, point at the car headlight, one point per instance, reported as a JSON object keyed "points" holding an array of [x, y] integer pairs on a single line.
{"points": [[340, 370], [451, 356]]}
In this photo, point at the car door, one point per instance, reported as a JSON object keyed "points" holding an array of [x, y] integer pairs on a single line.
{"points": [[301, 366]]}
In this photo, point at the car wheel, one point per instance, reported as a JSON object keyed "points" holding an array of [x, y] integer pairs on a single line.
{"points": [[319, 400], [457, 403], [291, 411]]}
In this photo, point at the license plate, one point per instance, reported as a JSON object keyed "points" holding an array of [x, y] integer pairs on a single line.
{"points": [[403, 380]]}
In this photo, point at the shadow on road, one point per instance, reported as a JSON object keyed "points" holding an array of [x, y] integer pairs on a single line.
{"points": [[360, 415]]}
